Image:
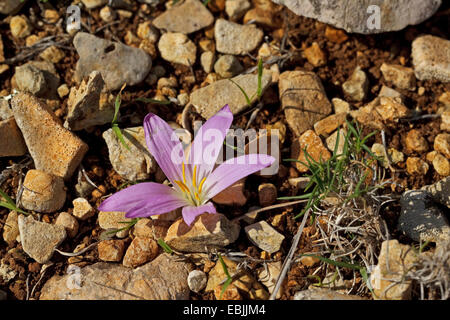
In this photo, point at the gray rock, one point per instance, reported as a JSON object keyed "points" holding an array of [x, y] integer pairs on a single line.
{"points": [[40, 239], [5, 110], [355, 15], [207, 61], [11, 6], [162, 279], [38, 78], [236, 9], [87, 106], [134, 164], [262, 235], [185, 17], [422, 220], [233, 38], [177, 48], [323, 294], [228, 66], [431, 58], [440, 191], [357, 86], [197, 280], [210, 99], [118, 63]]}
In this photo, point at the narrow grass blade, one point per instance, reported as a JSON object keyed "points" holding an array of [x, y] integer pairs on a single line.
{"points": [[165, 246], [249, 101], [260, 73]]}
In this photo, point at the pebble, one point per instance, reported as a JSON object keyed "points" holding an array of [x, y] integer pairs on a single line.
{"points": [[43, 192], [445, 118], [92, 4], [416, 166], [52, 54], [401, 77], [11, 143], [235, 9], [340, 106], [357, 86], [234, 195], [124, 64], [111, 250], [442, 144], [63, 150], [146, 31], [197, 280], [63, 90], [267, 193], [140, 251], [168, 282], [87, 106], [82, 209], [186, 17], [394, 261], [31, 79], [390, 93], [6, 272], [262, 17], [314, 146], [269, 276], [39, 239], [149, 228], [228, 66], [416, 142], [20, 27], [210, 99], [208, 231], [135, 163], [329, 124], [69, 223], [395, 15], [441, 165], [431, 58], [11, 228], [332, 139], [421, 219], [323, 294], [5, 110], [177, 48], [207, 60], [113, 220], [304, 89], [262, 235], [315, 55], [335, 35], [107, 14], [233, 38]]}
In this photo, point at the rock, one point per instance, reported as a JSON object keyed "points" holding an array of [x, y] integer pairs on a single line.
{"points": [[354, 16], [233, 38], [314, 146], [197, 280], [8, 7], [11, 143], [82, 210], [315, 55], [208, 231], [416, 166], [63, 150], [335, 35], [140, 251], [332, 140], [420, 219], [87, 106], [6, 272], [207, 60], [185, 17], [148, 228], [269, 276], [113, 221], [440, 191], [441, 165], [262, 16], [69, 223], [92, 4], [323, 294], [357, 86], [390, 93], [234, 195], [43, 192], [431, 58], [442, 144], [5, 110], [11, 228], [329, 124], [401, 77], [118, 63], [162, 279], [416, 142], [111, 250], [20, 27], [228, 66], [38, 78], [267, 193], [340, 106], [262, 235], [177, 48], [63, 90], [107, 14], [135, 163], [52, 54], [39, 239], [210, 99], [236, 9], [394, 262], [303, 99], [445, 124]]}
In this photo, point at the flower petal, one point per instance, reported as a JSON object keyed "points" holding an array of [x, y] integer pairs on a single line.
{"points": [[165, 146], [235, 169], [152, 196], [209, 141], [190, 213]]}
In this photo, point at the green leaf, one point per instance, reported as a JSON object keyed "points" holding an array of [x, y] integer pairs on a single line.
{"points": [[260, 73], [229, 279], [165, 246], [10, 204], [119, 135], [249, 101]]}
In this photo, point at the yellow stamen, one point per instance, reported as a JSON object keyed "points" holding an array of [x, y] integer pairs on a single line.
{"points": [[201, 185], [184, 174], [194, 182], [182, 186], [196, 196]]}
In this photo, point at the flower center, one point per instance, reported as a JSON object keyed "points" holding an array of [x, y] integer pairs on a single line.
{"points": [[192, 193]]}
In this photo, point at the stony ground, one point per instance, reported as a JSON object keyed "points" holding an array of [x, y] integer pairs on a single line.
{"points": [[59, 157]]}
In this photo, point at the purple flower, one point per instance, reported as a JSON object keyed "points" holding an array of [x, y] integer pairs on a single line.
{"points": [[192, 174]]}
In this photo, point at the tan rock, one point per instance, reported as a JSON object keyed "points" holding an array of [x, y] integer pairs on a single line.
{"points": [[11, 228], [231, 293], [52, 54], [314, 146], [357, 86], [43, 192], [315, 55], [11, 142], [340, 106], [69, 223], [335, 35], [441, 165], [445, 124], [20, 27], [63, 150], [262, 235], [416, 165], [208, 231], [416, 142], [111, 250], [236, 39], [333, 139], [82, 209], [233, 195], [430, 57], [329, 124], [113, 220], [269, 276], [140, 251], [324, 294], [442, 144], [155, 229], [401, 77], [177, 48]]}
